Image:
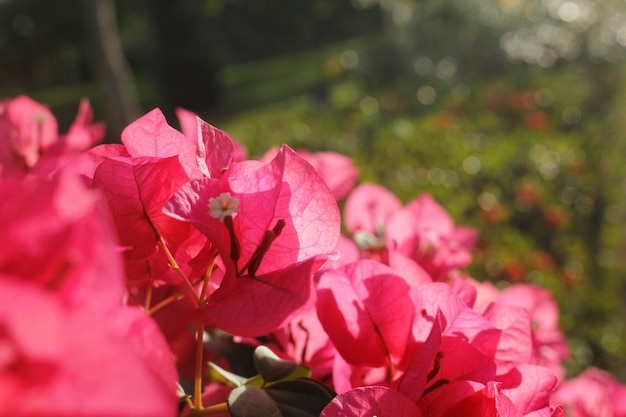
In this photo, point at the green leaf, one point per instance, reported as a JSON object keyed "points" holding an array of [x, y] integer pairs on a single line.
{"points": [[294, 398], [270, 366], [302, 371], [219, 374], [250, 401], [300, 397]]}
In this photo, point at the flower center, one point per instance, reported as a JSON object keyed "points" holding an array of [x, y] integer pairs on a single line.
{"points": [[223, 205]]}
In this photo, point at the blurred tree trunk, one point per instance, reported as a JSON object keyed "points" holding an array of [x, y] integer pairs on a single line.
{"points": [[113, 71], [185, 62]]}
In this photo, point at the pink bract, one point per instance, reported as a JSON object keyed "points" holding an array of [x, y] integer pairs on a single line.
{"points": [[366, 328], [371, 401], [594, 393], [91, 363], [136, 190], [62, 238], [29, 140], [271, 198], [549, 345], [189, 125], [336, 169], [369, 207], [424, 231]]}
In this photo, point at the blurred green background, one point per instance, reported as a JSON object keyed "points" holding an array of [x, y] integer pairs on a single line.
{"points": [[510, 112]]}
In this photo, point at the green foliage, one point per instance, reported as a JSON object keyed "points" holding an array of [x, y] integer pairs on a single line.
{"points": [[282, 388], [533, 161]]}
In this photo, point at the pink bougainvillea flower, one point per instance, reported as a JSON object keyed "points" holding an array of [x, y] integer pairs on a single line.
{"points": [[594, 393], [549, 345], [82, 134], [151, 136], [26, 128], [418, 365], [368, 209], [74, 361], [366, 310], [425, 232], [485, 349], [304, 340], [29, 140], [141, 175], [346, 376], [203, 151], [515, 344], [189, 125], [137, 189], [243, 307], [337, 170], [529, 387], [421, 231], [469, 398], [270, 234], [459, 319], [371, 401], [59, 235], [463, 398]]}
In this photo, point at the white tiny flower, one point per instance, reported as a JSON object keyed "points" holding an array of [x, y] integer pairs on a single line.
{"points": [[223, 205]]}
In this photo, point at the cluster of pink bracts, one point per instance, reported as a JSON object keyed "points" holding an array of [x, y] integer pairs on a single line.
{"points": [[115, 257]]}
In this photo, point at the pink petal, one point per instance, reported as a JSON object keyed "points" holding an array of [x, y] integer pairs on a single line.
{"points": [[346, 376], [279, 190], [86, 163], [414, 379], [436, 402], [353, 312], [150, 135], [487, 402], [368, 207], [460, 319], [123, 356], [464, 288], [137, 190], [592, 393], [336, 169], [371, 401], [529, 387], [191, 203], [27, 129], [215, 152], [515, 344], [406, 267], [83, 133], [62, 238], [424, 231], [255, 306]]}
